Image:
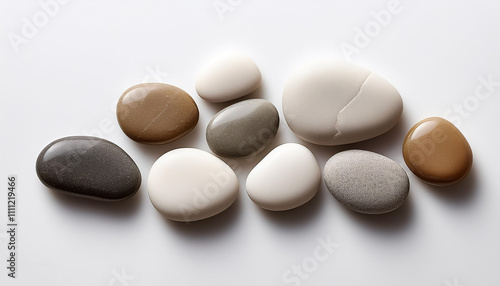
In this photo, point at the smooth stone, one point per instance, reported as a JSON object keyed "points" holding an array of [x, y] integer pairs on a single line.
{"points": [[156, 113], [331, 102], [288, 177], [189, 184], [366, 182], [243, 129], [89, 167], [227, 76], [437, 152]]}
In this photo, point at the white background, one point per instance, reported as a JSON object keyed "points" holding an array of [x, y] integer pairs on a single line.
{"points": [[65, 79]]}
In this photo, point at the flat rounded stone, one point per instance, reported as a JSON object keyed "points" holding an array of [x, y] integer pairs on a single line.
{"points": [[188, 184], [243, 129], [227, 76], [437, 152], [156, 113], [331, 102], [366, 182], [89, 167], [288, 177]]}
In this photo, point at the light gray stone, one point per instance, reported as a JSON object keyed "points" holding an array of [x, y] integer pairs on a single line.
{"points": [[366, 182]]}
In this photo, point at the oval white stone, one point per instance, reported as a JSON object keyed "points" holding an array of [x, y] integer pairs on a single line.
{"points": [[289, 176], [188, 184], [330, 102], [227, 76]]}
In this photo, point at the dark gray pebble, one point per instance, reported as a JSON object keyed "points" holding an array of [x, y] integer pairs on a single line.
{"points": [[89, 167]]}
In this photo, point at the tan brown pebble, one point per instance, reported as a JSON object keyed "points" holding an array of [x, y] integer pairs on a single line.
{"points": [[156, 113], [437, 152]]}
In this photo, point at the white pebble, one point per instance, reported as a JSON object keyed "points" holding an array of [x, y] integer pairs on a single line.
{"points": [[189, 184], [228, 76], [288, 177]]}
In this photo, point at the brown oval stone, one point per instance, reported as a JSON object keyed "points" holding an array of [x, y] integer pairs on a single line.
{"points": [[437, 152], [156, 113]]}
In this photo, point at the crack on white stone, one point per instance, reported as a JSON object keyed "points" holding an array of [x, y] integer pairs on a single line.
{"points": [[336, 127]]}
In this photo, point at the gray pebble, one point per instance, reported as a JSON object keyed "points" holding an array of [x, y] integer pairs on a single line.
{"points": [[366, 182], [243, 129], [88, 167]]}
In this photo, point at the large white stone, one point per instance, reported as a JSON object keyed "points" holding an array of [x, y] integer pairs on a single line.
{"points": [[289, 176], [189, 184], [331, 102]]}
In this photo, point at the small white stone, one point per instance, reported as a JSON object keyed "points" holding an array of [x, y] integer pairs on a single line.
{"points": [[330, 102], [227, 76], [189, 184], [288, 177]]}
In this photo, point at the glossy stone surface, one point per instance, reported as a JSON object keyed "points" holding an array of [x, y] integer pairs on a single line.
{"points": [[331, 102], [243, 129], [366, 182], [227, 76], [288, 177], [89, 167], [437, 152], [156, 113], [189, 184]]}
